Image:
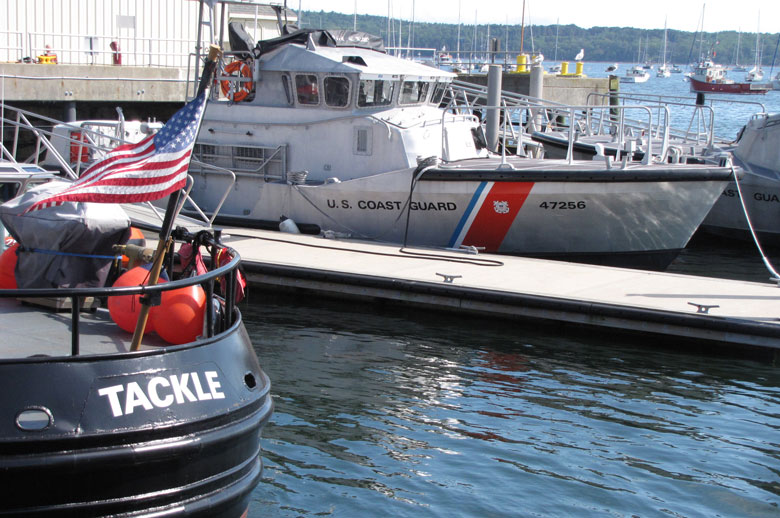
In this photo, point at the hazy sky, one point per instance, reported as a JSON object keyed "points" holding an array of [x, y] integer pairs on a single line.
{"points": [[719, 15]]}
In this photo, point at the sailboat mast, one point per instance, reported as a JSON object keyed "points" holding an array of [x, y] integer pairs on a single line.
{"points": [[411, 31], [457, 52], [639, 51], [701, 36], [663, 58], [758, 40], [522, 28], [474, 41], [557, 27]]}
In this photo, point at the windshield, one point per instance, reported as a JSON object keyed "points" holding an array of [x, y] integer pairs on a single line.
{"points": [[375, 93], [414, 92]]}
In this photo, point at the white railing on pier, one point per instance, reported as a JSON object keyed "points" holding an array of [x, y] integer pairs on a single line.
{"points": [[12, 45], [83, 49]]}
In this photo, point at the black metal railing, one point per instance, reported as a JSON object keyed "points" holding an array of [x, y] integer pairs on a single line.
{"points": [[229, 316]]}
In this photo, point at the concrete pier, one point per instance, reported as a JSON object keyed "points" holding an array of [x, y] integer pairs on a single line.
{"points": [[640, 302], [91, 83], [571, 89]]}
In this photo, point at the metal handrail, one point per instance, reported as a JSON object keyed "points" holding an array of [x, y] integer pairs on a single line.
{"points": [[543, 113], [206, 281], [22, 122], [135, 51]]}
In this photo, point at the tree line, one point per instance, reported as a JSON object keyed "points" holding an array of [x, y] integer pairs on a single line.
{"points": [[606, 44]]}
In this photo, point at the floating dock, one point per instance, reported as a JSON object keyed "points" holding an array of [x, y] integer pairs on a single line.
{"points": [[699, 308]]}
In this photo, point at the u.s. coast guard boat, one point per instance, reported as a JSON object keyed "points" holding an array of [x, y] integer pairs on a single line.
{"points": [[325, 128]]}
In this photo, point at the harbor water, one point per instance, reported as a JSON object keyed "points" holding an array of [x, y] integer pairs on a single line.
{"points": [[385, 411]]}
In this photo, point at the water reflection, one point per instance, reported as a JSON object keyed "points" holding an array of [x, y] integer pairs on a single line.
{"points": [[388, 412]]}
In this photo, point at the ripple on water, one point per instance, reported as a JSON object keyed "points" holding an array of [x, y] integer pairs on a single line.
{"points": [[407, 414]]}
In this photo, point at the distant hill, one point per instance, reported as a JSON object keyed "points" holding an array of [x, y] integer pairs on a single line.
{"points": [[608, 44]]}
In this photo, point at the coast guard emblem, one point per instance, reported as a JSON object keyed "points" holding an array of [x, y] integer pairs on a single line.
{"points": [[501, 207]]}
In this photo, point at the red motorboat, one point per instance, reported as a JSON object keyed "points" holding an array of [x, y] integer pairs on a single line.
{"points": [[709, 77]]}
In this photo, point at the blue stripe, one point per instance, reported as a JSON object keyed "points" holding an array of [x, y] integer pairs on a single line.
{"points": [[68, 254], [466, 214]]}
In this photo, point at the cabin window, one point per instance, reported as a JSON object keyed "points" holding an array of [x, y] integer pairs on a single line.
{"points": [[438, 93], [375, 93], [336, 91], [413, 92], [287, 89], [307, 89]]}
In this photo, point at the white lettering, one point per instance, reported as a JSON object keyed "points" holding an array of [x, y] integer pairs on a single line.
{"points": [[198, 389], [180, 388], [136, 397], [113, 399], [155, 396], [214, 385]]}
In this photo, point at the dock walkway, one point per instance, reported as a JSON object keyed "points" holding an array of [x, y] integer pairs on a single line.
{"points": [[727, 311]]}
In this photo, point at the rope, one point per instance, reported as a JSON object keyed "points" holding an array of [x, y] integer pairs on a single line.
{"points": [[776, 276], [405, 209], [407, 254]]}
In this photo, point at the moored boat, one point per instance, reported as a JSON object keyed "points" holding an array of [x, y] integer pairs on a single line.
{"points": [[95, 428], [754, 75], [342, 138], [709, 77], [141, 398], [635, 74], [757, 151]]}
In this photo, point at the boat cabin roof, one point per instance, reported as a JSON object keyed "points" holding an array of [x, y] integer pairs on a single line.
{"points": [[369, 64]]}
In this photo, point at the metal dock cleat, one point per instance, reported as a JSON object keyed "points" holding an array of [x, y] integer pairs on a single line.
{"points": [[703, 308], [449, 278]]}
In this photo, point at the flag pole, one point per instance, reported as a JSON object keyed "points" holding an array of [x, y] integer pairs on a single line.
{"points": [[170, 215]]}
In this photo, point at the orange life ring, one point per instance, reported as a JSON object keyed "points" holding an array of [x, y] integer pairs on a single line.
{"points": [[243, 88]]}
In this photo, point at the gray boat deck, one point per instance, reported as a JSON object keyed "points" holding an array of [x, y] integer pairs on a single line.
{"points": [[29, 330]]}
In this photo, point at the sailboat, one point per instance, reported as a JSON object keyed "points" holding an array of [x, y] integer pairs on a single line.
{"points": [[756, 74], [664, 70], [737, 67], [556, 68]]}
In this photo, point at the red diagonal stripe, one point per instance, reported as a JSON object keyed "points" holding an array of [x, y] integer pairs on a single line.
{"points": [[490, 226]]}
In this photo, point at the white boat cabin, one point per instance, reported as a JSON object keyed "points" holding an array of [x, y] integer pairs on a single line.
{"points": [[709, 72], [332, 104]]}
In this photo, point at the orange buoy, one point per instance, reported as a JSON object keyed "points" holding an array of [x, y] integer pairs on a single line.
{"points": [[179, 317], [242, 89], [136, 238], [124, 309], [7, 267]]}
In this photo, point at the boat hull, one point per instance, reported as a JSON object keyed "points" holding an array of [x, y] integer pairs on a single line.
{"points": [[136, 433], [761, 195], [641, 79], [728, 88], [606, 217]]}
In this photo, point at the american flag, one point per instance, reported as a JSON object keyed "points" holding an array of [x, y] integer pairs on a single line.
{"points": [[145, 171]]}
